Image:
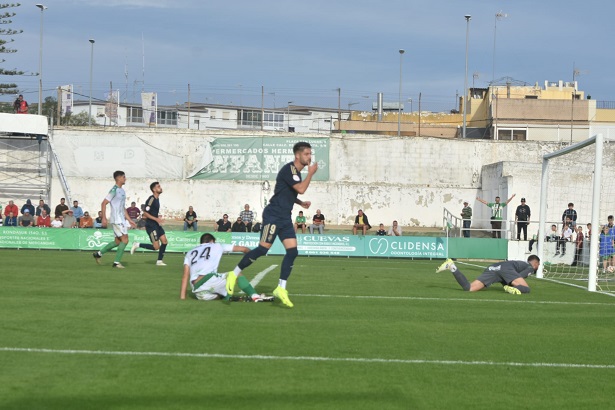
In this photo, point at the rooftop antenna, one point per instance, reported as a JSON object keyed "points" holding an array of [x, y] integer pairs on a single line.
{"points": [[143, 71]]}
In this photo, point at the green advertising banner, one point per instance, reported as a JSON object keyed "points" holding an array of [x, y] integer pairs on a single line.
{"points": [[313, 245], [260, 158]]}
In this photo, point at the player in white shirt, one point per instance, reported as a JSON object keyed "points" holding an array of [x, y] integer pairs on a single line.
{"points": [[201, 270], [119, 220]]}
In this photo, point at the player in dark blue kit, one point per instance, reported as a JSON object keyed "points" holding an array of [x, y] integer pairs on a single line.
{"points": [[277, 219], [153, 225]]}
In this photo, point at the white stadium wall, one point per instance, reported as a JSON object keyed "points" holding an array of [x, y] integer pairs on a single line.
{"points": [[408, 179]]}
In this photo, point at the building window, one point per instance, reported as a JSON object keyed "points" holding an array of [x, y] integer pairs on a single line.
{"points": [[167, 117], [135, 115], [512, 134], [273, 120], [250, 119], [212, 115], [226, 115]]}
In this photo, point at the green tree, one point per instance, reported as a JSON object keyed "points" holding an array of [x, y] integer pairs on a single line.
{"points": [[80, 119], [5, 18]]}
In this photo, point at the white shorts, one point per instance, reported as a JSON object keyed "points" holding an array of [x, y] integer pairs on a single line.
{"points": [[120, 230], [212, 289]]}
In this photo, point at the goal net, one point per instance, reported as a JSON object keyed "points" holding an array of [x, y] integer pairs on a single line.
{"points": [[575, 240]]}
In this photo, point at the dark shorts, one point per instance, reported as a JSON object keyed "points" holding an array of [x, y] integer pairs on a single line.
{"points": [[275, 226], [154, 232], [505, 277]]}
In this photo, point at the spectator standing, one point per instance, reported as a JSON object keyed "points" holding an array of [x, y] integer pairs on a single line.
{"points": [[223, 225], [588, 235], [61, 207], [43, 220], [522, 217], [133, 211], [190, 220], [571, 213], [496, 214], [300, 222], [28, 205], [20, 106], [98, 221], [42, 205], [579, 245], [86, 221], [11, 219], [466, 216], [77, 211], [247, 217], [69, 220], [361, 222], [11, 207], [26, 219], [57, 222], [238, 225], [318, 222], [381, 231], [607, 247], [394, 230]]}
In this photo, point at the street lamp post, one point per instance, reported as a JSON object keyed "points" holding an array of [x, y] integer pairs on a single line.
{"points": [[410, 101], [350, 104], [40, 64], [91, 71], [401, 53], [288, 114], [498, 16], [465, 86]]}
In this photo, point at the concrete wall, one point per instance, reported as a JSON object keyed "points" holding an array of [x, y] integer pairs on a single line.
{"points": [[408, 179]]}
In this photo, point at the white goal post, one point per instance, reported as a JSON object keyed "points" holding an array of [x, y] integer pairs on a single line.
{"points": [[590, 274]]}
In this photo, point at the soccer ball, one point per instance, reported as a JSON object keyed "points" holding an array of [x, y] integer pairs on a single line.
{"points": [[610, 269]]}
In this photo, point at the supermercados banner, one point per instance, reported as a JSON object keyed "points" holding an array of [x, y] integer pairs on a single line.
{"points": [[179, 241], [260, 159]]}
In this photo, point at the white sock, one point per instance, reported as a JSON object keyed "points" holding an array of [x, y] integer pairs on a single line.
{"points": [[282, 283], [237, 271], [453, 268]]}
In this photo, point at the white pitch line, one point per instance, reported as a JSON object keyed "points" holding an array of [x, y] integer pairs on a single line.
{"points": [[260, 275], [308, 358], [518, 300]]}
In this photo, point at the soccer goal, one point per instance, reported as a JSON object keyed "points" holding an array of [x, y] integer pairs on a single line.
{"points": [[577, 189]]}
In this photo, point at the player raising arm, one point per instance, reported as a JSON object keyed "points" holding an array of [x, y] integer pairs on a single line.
{"points": [[277, 219], [511, 274], [201, 271], [119, 219]]}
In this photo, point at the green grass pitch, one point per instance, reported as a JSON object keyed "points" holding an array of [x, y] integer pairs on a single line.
{"points": [[364, 334]]}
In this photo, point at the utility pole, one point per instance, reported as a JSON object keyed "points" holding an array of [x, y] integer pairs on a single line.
{"points": [[189, 108], [262, 107], [339, 109]]}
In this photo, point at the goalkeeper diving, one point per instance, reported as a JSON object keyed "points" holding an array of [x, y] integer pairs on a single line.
{"points": [[511, 274]]}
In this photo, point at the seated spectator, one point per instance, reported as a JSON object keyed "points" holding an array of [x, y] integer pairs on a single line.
{"points": [[86, 221], [570, 213], [190, 220], [26, 219], [11, 207], [133, 211], [238, 226], [11, 219], [223, 225], [42, 205], [98, 221], [381, 231], [77, 211], [566, 237], [60, 208], [43, 220], [318, 222], [247, 217], [57, 222], [361, 222], [300, 222], [553, 235], [69, 220], [28, 205], [394, 230]]}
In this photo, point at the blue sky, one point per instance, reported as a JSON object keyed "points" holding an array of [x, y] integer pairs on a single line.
{"points": [[303, 51]]}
